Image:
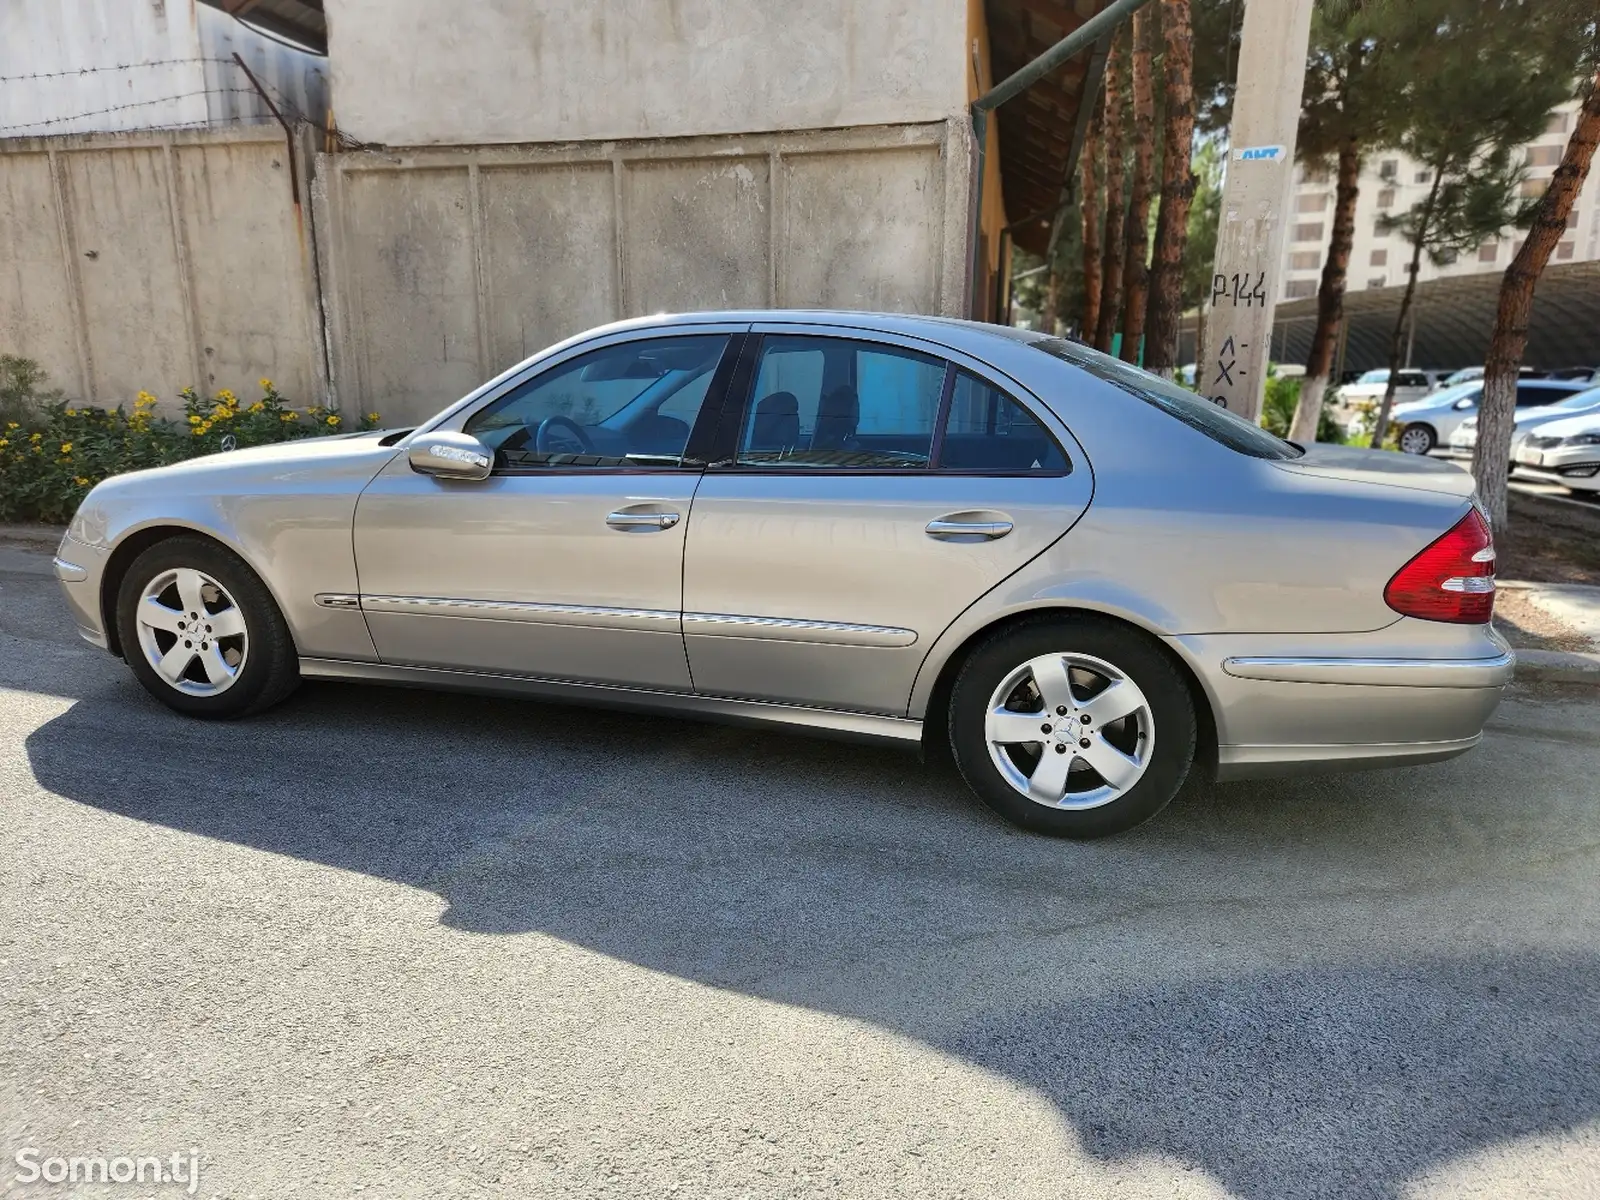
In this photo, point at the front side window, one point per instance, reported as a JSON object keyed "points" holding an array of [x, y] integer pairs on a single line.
{"points": [[628, 405], [834, 403], [989, 431]]}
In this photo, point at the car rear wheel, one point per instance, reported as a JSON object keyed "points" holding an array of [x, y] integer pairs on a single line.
{"points": [[1417, 439], [202, 633], [1074, 726]]}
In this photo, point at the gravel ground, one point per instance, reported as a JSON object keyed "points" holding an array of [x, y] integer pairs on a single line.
{"points": [[406, 945]]}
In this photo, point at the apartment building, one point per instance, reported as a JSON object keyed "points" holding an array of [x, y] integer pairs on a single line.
{"points": [[1392, 183]]}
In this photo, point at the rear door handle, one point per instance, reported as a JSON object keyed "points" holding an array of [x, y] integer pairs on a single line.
{"points": [[990, 530], [640, 520]]}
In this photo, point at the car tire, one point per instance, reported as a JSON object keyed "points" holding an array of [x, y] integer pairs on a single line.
{"points": [[1417, 439], [178, 608], [1008, 688]]}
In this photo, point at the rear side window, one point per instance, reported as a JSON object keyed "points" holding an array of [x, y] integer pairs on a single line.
{"points": [[989, 431], [1530, 396], [838, 404], [1200, 414]]}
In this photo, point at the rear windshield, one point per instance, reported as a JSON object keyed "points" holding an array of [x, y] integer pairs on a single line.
{"points": [[1216, 422]]}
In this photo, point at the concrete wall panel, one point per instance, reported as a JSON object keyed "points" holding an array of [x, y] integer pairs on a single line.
{"points": [[413, 294], [538, 71], [36, 302], [698, 234], [134, 294], [551, 235], [246, 248], [862, 230]]}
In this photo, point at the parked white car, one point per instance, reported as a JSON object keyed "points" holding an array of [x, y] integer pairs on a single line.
{"points": [[1465, 439], [1433, 420], [1409, 385], [1566, 452]]}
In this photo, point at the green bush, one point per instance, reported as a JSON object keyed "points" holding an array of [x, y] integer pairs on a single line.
{"points": [[1277, 410], [52, 453]]}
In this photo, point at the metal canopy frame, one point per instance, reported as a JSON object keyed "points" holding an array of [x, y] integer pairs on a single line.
{"points": [[1097, 31]]}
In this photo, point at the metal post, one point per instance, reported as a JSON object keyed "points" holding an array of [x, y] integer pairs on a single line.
{"points": [[1245, 276]]}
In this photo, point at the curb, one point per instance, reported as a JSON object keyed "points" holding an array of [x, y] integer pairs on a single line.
{"points": [[48, 536], [1558, 666]]}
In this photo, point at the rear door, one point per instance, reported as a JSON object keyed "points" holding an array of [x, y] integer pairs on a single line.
{"points": [[868, 489]]}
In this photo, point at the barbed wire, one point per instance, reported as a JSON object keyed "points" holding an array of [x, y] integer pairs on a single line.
{"points": [[154, 62], [100, 112]]}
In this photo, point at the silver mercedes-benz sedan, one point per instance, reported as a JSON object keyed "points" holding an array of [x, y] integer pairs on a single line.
{"points": [[1084, 580]]}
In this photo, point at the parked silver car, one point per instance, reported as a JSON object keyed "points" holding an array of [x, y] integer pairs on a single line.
{"points": [[1082, 579]]}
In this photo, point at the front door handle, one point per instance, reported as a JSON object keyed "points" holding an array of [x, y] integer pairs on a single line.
{"points": [[642, 520], [988, 530]]}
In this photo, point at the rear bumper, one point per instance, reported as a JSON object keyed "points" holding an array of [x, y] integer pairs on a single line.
{"points": [[1292, 704]]}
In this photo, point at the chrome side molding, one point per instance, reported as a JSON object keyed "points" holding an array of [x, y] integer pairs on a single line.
{"points": [[1379, 672], [791, 629]]}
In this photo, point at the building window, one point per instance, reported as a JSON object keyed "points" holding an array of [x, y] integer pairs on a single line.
{"points": [[1311, 231], [1389, 169], [1544, 156], [1445, 257], [1424, 176], [1564, 250], [1377, 282], [1311, 202], [1305, 260], [1572, 220], [1379, 229], [1488, 252], [1313, 174], [1557, 123], [1299, 289], [1386, 198], [1532, 189], [1380, 258]]}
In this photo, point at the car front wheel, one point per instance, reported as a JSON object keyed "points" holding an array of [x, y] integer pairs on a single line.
{"points": [[202, 633], [1074, 726], [1417, 439]]}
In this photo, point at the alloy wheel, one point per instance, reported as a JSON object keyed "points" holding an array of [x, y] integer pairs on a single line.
{"points": [[1416, 440], [1069, 731], [192, 632]]}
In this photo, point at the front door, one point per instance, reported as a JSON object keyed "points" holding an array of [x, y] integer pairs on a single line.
{"points": [[567, 562], [874, 491]]}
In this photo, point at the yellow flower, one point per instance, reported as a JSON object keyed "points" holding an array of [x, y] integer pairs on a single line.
{"points": [[66, 447], [372, 416], [4, 442], [37, 437], [256, 407], [265, 383], [81, 481], [72, 412], [12, 425], [144, 400], [333, 420], [194, 420]]}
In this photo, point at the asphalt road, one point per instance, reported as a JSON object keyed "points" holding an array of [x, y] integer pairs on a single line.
{"points": [[402, 945]]}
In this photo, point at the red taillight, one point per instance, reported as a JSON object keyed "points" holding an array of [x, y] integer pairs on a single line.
{"points": [[1452, 580]]}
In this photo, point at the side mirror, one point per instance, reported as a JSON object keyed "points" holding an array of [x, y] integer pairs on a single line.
{"points": [[450, 456]]}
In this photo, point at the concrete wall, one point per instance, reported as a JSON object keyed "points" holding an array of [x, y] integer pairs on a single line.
{"points": [[407, 72], [81, 66], [444, 267], [156, 261]]}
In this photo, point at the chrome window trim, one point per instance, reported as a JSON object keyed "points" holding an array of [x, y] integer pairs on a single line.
{"points": [[1379, 672], [793, 629]]}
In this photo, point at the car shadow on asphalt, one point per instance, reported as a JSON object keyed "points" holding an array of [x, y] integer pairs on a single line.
{"points": [[1123, 980]]}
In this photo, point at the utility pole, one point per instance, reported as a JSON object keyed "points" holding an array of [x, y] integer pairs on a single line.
{"points": [[1232, 366]]}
